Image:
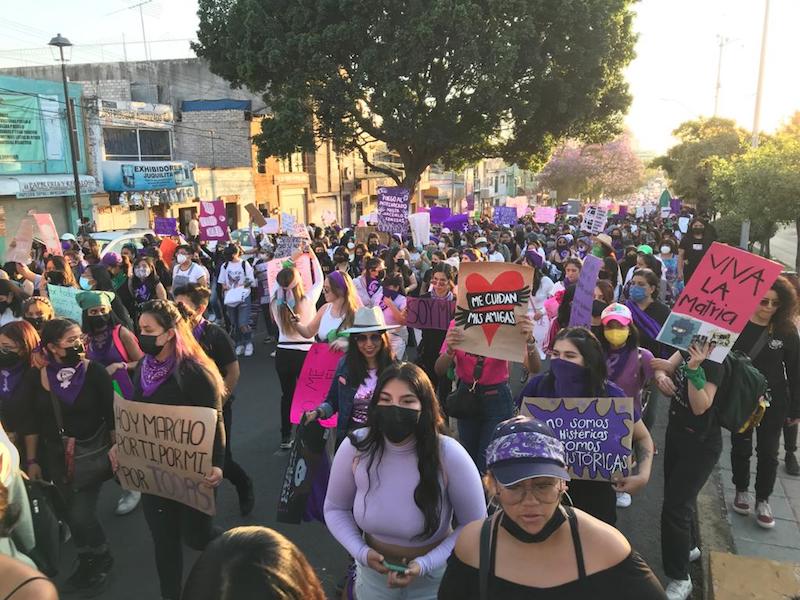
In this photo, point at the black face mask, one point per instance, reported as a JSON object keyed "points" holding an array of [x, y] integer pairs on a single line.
{"points": [[598, 306], [401, 262], [149, 345], [372, 247], [523, 536], [9, 359], [73, 355], [98, 323], [396, 422], [3, 306], [35, 321], [55, 277]]}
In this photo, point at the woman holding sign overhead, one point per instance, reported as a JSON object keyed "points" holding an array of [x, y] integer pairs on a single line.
{"points": [[336, 315]]}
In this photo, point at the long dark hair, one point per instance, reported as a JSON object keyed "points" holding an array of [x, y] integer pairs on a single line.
{"points": [[24, 336], [428, 494], [357, 365], [651, 278], [593, 357], [102, 278], [17, 296], [783, 319]]}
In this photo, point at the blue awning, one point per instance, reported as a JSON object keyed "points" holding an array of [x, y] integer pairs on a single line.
{"points": [[224, 104]]}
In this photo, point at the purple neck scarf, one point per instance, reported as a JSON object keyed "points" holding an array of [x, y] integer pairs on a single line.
{"points": [[154, 373], [100, 347], [9, 380], [66, 382], [618, 360], [199, 329], [643, 321], [373, 285]]}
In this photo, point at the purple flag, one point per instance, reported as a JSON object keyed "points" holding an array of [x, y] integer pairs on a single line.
{"points": [[456, 223], [439, 214], [623, 210], [675, 206], [470, 202]]}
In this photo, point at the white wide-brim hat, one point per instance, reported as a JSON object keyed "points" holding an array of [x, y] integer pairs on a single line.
{"points": [[368, 320]]}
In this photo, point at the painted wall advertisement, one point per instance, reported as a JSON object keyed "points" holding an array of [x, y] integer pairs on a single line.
{"points": [[120, 176]]}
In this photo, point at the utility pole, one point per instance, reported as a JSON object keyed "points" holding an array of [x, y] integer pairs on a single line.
{"points": [[722, 42], [744, 238], [124, 48], [213, 166]]}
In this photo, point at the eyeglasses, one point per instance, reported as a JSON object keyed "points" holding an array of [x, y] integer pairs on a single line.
{"points": [[544, 491], [770, 302], [363, 338]]}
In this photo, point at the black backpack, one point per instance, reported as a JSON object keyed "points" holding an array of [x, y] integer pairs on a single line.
{"points": [[743, 396]]}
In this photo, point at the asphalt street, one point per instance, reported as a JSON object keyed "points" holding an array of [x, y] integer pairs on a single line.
{"points": [[255, 445]]}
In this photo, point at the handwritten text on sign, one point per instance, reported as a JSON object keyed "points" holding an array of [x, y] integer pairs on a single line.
{"points": [[166, 451], [314, 382], [596, 432], [581, 311], [393, 209], [429, 313]]}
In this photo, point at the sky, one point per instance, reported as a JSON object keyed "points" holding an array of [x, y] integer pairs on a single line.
{"points": [[672, 79]]}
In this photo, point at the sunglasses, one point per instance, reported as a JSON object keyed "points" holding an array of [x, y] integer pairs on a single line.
{"points": [[363, 338], [769, 302]]}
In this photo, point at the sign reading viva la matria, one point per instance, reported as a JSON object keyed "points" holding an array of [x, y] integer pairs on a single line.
{"points": [[719, 299]]}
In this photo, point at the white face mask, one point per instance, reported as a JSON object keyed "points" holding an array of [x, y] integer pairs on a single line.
{"points": [[351, 245], [665, 249], [442, 245], [142, 273], [181, 258]]}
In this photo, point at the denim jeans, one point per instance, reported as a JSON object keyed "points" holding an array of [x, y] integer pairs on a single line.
{"points": [[239, 317], [371, 585], [475, 434]]}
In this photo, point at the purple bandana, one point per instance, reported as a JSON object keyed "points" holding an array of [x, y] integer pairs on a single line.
{"points": [[9, 380], [142, 293], [154, 373], [618, 360], [373, 285], [66, 382], [199, 329], [643, 321]]}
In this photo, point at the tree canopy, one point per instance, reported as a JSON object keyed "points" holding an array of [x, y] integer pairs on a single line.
{"points": [[438, 81]]}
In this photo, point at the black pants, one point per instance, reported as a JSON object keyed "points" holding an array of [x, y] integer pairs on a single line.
{"points": [[768, 436], [689, 460], [598, 498], [790, 438], [170, 523], [232, 471], [81, 506], [288, 364]]}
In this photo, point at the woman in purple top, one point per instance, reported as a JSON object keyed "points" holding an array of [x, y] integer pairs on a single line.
{"points": [[395, 488]]}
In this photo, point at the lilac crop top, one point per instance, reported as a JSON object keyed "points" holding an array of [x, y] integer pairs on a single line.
{"points": [[388, 512]]}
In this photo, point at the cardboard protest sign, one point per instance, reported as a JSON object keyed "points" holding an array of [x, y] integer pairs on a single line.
{"points": [[456, 223], [429, 313], [597, 433], [439, 214], [47, 229], [166, 451], [303, 265], [393, 209], [420, 224], [255, 215], [719, 299], [301, 231], [287, 223], [270, 226], [213, 224], [640, 212], [520, 203], [64, 303], [165, 226], [492, 297], [544, 214], [19, 250], [595, 219], [363, 233], [504, 215], [314, 382], [286, 246], [581, 312]]}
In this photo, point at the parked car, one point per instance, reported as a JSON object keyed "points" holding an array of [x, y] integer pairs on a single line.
{"points": [[115, 239]]}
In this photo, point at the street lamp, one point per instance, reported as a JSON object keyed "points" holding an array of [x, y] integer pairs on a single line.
{"points": [[61, 42]]}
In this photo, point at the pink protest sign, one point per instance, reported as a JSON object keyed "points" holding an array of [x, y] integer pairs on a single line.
{"points": [[49, 234], [213, 224], [545, 214], [303, 265], [314, 382]]}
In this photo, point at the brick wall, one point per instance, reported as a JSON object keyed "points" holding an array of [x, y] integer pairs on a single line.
{"points": [[110, 89], [230, 143]]}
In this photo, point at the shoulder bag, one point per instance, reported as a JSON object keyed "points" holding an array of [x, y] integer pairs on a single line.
{"points": [[465, 402]]}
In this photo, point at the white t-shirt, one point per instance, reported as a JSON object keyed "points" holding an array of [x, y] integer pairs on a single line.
{"points": [[496, 257], [192, 275]]}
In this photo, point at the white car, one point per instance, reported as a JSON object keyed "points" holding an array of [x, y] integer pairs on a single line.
{"points": [[115, 239]]}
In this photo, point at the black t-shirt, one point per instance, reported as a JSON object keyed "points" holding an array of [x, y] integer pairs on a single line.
{"points": [[219, 347], [13, 411], [680, 413], [693, 251], [659, 312]]}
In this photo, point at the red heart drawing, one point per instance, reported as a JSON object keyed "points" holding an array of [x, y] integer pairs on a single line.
{"points": [[509, 281]]}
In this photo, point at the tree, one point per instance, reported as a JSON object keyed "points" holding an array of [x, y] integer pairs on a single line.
{"points": [[688, 163], [449, 81], [593, 170]]}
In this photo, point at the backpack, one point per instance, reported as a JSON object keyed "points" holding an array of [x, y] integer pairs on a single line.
{"points": [[743, 396]]}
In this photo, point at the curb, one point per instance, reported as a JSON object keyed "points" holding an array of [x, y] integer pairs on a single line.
{"points": [[714, 528]]}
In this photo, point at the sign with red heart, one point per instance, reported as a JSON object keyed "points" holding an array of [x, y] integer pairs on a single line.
{"points": [[492, 297]]}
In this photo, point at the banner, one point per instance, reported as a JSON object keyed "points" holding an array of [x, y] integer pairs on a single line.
{"points": [[393, 209], [314, 382], [64, 303], [47, 229], [492, 297], [303, 265], [139, 176], [19, 249], [165, 226], [166, 451], [581, 312], [664, 199], [544, 214], [420, 224], [255, 215], [456, 223], [505, 215], [719, 299], [270, 226], [439, 214], [597, 433], [213, 224], [429, 313], [21, 132], [595, 219]]}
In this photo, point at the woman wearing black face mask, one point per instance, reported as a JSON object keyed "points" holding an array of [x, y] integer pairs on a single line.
{"points": [[692, 248], [11, 299], [395, 487], [83, 393], [37, 310], [18, 378]]}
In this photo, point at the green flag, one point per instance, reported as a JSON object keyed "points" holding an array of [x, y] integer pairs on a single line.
{"points": [[663, 201]]}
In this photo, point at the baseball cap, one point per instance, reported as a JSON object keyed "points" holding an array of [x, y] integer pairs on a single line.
{"points": [[523, 448], [645, 249], [616, 312]]}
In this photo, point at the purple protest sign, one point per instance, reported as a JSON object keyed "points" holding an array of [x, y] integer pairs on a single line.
{"points": [[213, 224], [596, 433], [581, 313], [470, 202], [439, 214], [505, 215], [456, 223], [623, 210], [393, 209], [165, 226], [675, 206]]}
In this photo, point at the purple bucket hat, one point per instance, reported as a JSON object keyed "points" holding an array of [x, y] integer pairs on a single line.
{"points": [[523, 448]]}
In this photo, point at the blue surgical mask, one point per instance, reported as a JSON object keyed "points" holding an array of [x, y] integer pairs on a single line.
{"points": [[84, 283], [637, 294]]}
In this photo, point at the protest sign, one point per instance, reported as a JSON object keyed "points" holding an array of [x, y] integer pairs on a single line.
{"points": [[439, 214], [470, 202], [504, 215], [544, 214], [168, 247], [270, 226], [286, 246], [363, 233], [328, 217], [683, 224], [420, 224], [19, 250], [302, 264], [675, 206], [166, 450], [596, 432], [3, 232], [393, 209], [595, 219], [165, 226], [640, 212], [287, 223], [64, 303], [213, 224], [255, 215], [581, 312], [623, 210], [456, 223], [719, 299], [492, 297], [429, 313], [573, 207], [47, 229], [314, 382], [520, 203]]}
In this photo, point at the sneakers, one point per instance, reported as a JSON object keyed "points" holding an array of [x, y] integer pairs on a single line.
{"points": [[91, 576], [127, 502], [623, 500], [742, 503], [248, 349], [764, 515], [790, 462], [247, 498], [694, 554], [679, 589], [286, 442], [239, 350], [272, 354]]}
